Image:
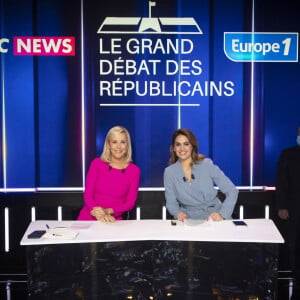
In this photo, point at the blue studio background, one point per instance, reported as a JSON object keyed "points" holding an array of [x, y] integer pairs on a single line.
{"points": [[54, 115]]}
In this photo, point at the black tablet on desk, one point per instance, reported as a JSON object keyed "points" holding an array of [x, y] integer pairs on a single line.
{"points": [[239, 223], [36, 234]]}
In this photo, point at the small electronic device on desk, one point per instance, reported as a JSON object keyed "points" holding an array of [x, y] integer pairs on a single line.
{"points": [[36, 234]]}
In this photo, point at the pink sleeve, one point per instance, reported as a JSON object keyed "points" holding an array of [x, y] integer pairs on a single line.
{"points": [[90, 185], [132, 193]]}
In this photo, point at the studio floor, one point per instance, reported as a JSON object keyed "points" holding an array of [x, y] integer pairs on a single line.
{"points": [[17, 290]]}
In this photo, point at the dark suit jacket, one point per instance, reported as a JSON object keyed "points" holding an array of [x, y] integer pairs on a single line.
{"points": [[288, 181]]}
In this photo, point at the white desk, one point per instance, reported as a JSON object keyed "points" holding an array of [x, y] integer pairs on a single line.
{"points": [[257, 231], [154, 258]]}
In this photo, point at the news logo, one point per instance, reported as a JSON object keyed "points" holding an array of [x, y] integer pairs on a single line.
{"points": [[40, 45]]}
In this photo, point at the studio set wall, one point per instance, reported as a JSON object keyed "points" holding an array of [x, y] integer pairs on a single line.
{"points": [[226, 69]]}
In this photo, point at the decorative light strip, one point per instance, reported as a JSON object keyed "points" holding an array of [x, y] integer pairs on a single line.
{"points": [[145, 189], [59, 213], [82, 99], [179, 96], [138, 213], [59, 189], [8, 290], [252, 102], [267, 212], [250, 188], [164, 213], [4, 148], [33, 214], [269, 188], [18, 190], [246, 188], [148, 104], [6, 228], [151, 189], [241, 213], [179, 112]]}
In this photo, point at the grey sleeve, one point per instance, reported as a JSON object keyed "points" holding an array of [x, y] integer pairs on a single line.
{"points": [[171, 202], [228, 188]]}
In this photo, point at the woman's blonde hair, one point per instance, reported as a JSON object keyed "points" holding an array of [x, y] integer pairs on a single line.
{"points": [[106, 154]]}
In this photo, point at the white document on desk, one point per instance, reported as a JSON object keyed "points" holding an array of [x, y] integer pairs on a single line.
{"points": [[80, 225], [194, 222], [60, 233]]}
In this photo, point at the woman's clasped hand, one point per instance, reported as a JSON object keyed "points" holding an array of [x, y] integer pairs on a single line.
{"points": [[102, 214]]}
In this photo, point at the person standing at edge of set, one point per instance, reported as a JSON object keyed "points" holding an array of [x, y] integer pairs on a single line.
{"points": [[112, 180], [287, 197], [189, 182]]}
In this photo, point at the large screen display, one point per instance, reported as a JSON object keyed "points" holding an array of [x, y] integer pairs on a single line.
{"points": [[228, 70]]}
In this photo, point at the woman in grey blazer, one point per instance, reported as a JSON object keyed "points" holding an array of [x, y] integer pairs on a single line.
{"points": [[190, 182]]}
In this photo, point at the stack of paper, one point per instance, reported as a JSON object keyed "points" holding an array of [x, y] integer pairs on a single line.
{"points": [[60, 233], [193, 222], [80, 225]]}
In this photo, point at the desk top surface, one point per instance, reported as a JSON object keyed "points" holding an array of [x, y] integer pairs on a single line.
{"points": [[256, 231]]}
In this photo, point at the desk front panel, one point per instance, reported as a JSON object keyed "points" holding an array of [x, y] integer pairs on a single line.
{"points": [[161, 269]]}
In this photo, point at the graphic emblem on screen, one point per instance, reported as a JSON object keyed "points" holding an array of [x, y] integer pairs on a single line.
{"points": [[154, 25]]}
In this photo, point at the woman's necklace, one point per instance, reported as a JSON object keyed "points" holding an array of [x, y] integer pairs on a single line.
{"points": [[187, 170]]}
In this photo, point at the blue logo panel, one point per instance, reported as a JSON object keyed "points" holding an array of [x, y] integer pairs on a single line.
{"points": [[261, 47]]}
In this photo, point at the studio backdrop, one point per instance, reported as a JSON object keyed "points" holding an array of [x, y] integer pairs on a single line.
{"points": [[226, 69]]}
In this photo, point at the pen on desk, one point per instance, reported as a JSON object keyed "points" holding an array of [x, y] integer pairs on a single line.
{"points": [[47, 226]]}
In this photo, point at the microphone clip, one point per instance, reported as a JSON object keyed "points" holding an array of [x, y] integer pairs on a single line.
{"points": [[185, 179]]}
